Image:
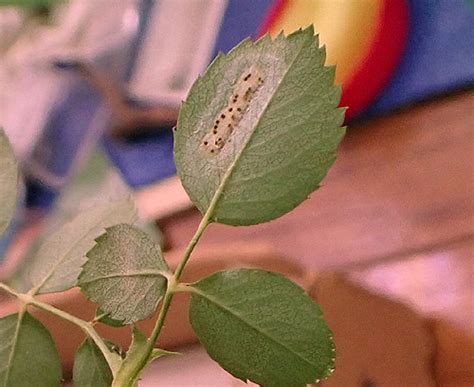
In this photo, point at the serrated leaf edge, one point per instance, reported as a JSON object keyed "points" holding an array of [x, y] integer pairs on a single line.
{"points": [[208, 215], [36, 289], [231, 312]]}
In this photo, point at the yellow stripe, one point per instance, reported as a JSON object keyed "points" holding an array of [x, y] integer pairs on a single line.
{"points": [[346, 27]]}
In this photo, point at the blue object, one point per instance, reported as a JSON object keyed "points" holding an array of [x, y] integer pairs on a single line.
{"points": [[148, 159], [242, 19], [145, 158], [439, 56], [61, 141]]}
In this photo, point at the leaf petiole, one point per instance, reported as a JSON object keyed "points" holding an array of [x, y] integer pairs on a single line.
{"points": [[86, 327], [129, 373]]}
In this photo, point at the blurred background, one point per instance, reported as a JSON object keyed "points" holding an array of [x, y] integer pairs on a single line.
{"points": [[90, 92]]}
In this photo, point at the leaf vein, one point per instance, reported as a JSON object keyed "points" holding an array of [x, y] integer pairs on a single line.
{"points": [[137, 273], [236, 315]]}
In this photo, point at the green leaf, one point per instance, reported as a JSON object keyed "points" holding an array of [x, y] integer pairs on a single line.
{"points": [[279, 147], [261, 326], [8, 182], [90, 367], [104, 318], [58, 262], [28, 355], [125, 274]]}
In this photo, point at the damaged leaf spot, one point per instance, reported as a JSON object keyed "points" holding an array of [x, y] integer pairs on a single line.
{"points": [[244, 90]]}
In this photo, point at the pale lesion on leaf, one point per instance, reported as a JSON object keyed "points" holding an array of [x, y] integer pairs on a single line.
{"points": [[230, 116]]}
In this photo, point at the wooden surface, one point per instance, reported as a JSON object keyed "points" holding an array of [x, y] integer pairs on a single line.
{"points": [[397, 209], [395, 214], [379, 341], [439, 283], [401, 185]]}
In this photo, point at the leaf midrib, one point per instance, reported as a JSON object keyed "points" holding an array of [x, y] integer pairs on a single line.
{"points": [[135, 273], [230, 311], [97, 364], [14, 346]]}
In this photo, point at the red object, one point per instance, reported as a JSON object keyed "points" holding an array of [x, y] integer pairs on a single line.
{"points": [[276, 11], [381, 61], [383, 57]]}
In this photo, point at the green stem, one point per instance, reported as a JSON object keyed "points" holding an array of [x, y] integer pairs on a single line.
{"points": [[173, 282], [187, 254], [28, 299], [128, 374]]}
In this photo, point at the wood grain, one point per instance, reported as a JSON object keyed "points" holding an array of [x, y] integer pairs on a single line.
{"points": [[401, 185]]}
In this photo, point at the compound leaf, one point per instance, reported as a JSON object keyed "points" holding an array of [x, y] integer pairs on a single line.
{"points": [[262, 327], [259, 131]]}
